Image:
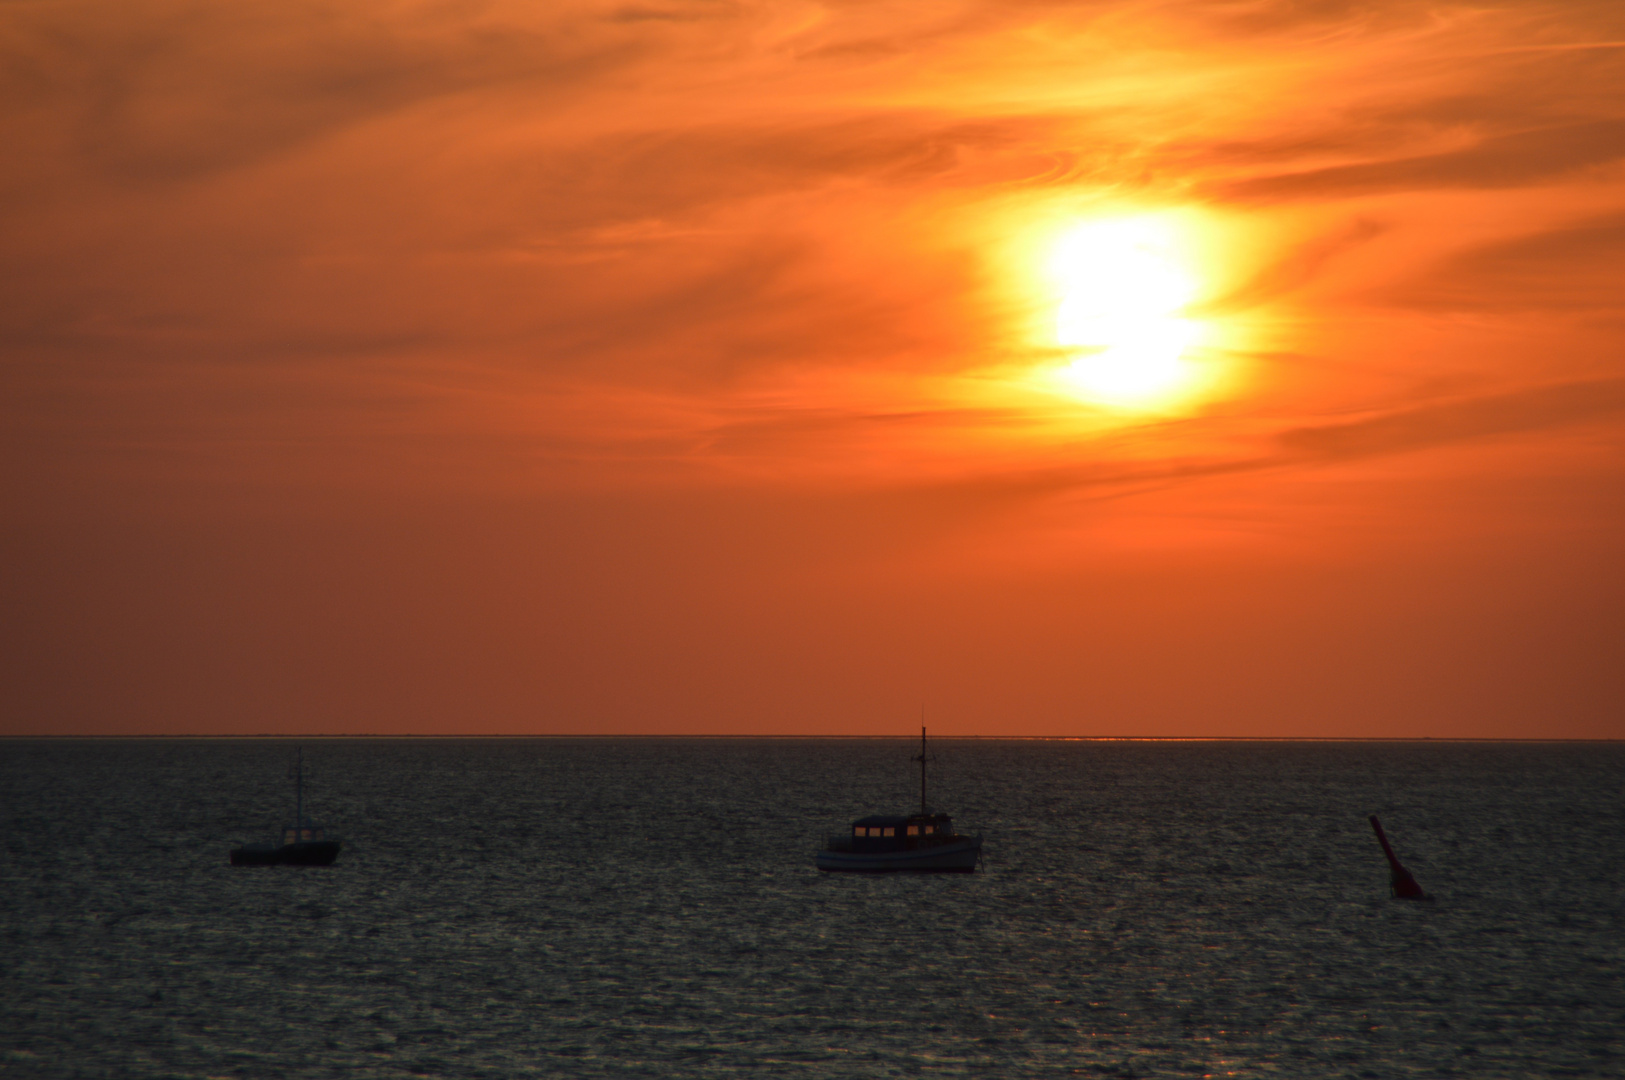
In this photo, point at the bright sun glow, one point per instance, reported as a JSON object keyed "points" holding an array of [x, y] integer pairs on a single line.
{"points": [[1124, 286]]}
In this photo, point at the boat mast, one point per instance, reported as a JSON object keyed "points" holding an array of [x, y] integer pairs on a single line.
{"points": [[299, 790], [921, 760]]}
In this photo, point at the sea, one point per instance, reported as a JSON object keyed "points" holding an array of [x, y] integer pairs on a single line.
{"points": [[649, 907]]}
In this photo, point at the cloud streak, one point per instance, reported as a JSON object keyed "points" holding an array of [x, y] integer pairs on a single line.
{"points": [[1502, 161]]}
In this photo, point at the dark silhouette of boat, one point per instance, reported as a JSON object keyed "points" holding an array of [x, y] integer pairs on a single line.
{"points": [[304, 843], [923, 842]]}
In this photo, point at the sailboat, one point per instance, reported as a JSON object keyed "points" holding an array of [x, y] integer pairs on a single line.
{"points": [[304, 843], [924, 842]]}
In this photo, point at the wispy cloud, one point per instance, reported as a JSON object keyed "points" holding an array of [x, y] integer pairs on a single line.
{"points": [[1572, 266], [1502, 161]]}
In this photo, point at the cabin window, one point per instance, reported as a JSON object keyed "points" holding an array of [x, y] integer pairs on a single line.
{"points": [[914, 830], [889, 831], [930, 829]]}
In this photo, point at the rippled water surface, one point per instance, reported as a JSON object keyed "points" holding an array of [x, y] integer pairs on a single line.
{"points": [[588, 908]]}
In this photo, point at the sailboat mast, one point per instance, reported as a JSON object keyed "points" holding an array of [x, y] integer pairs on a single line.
{"points": [[299, 788]]}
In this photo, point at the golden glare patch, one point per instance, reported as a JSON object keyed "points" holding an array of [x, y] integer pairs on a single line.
{"points": [[1124, 285]]}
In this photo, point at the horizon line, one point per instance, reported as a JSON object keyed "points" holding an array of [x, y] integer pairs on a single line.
{"points": [[986, 738]]}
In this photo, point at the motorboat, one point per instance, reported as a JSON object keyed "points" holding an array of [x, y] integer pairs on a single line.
{"points": [[924, 842]]}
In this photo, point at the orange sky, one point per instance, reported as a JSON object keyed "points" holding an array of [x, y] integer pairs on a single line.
{"points": [[704, 367]]}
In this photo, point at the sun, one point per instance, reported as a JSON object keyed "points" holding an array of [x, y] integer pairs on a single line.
{"points": [[1124, 285]]}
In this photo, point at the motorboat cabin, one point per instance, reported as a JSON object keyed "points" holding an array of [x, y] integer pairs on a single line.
{"points": [[305, 844], [879, 832], [883, 843], [301, 833]]}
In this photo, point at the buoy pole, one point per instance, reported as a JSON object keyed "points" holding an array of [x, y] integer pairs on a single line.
{"points": [[1405, 886]]}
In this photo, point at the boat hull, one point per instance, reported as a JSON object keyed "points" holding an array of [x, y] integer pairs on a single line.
{"points": [[960, 857], [303, 853]]}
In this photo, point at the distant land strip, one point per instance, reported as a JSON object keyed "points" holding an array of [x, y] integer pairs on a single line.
{"points": [[853, 738]]}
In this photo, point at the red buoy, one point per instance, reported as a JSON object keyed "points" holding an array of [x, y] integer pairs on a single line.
{"points": [[1405, 886]]}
